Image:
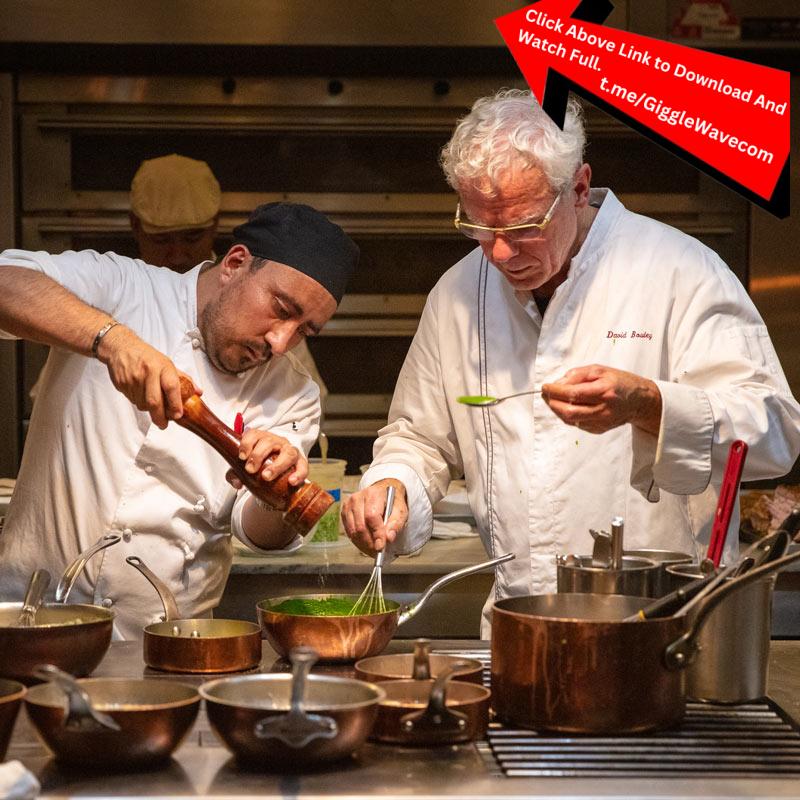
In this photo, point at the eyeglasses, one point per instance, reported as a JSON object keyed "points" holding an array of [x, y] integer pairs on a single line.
{"points": [[525, 232]]}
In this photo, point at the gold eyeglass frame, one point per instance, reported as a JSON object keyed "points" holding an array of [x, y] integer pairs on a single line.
{"points": [[540, 226]]}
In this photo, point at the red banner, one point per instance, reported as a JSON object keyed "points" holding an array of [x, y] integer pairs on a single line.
{"points": [[728, 117]]}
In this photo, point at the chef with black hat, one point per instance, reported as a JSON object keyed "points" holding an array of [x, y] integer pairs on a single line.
{"points": [[100, 456]]}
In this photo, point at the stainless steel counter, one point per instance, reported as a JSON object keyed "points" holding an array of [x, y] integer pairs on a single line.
{"points": [[203, 768]]}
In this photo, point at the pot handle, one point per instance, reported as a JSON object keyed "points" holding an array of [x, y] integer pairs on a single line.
{"points": [[437, 722], [682, 651], [296, 728], [81, 715], [422, 660], [72, 572], [411, 609], [167, 599]]}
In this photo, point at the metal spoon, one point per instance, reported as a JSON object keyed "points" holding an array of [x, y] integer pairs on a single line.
{"points": [[483, 400], [37, 586]]}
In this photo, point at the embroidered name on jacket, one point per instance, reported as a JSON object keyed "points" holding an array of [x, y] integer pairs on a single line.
{"points": [[629, 335]]}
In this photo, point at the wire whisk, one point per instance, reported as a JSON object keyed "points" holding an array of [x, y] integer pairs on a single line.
{"points": [[371, 600]]}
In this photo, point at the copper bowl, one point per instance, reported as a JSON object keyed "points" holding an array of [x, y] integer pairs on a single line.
{"points": [[333, 638], [154, 716], [11, 694], [236, 705], [73, 637]]}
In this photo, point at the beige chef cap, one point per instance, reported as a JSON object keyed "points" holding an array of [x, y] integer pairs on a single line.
{"points": [[173, 193]]}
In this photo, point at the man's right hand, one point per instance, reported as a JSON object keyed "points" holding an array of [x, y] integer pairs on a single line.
{"points": [[143, 374], [362, 515]]}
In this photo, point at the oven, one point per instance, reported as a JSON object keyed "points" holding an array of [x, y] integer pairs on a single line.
{"points": [[362, 149]]}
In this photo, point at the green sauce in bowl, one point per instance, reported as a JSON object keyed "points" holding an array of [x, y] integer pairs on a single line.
{"points": [[341, 606]]}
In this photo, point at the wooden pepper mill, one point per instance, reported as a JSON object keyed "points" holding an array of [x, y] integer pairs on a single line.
{"points": [[302, 505]]}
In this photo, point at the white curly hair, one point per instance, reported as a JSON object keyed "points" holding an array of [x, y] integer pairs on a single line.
{"points": [[511, 131]]}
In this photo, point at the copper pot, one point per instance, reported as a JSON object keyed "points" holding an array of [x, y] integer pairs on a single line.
{"points": [[74, 637], [153, 716], [239, 709], [589, 663], [432, 712], [568, 662], [196, 645], [347, 638], [11, 694]]}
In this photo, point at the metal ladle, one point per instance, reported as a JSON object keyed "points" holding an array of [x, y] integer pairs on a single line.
{"points": [[483, 400]]}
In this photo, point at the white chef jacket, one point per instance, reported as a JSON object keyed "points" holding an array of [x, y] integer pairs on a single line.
{"points": [[640, 296], [93, 464]]}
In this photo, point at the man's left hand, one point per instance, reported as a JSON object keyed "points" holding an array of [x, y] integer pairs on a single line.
{"points": [[268, 455], [597, 398]]}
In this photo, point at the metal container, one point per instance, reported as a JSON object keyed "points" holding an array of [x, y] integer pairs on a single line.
{"points": [[11, 694], [607, 570], [347, 637], [238, 707], [664, 559], [74, 637], [568, 662], [196, 645], [432, 712], [637, 577], [733, 645], [420, 665], [153, 716]]}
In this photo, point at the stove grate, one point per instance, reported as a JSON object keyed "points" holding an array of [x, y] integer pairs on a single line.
{"points": [[725, 741]]}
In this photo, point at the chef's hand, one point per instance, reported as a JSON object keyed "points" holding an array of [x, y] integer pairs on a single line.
{"points": [[269, 455], [597, 399], [362, 515], [143, 374]]}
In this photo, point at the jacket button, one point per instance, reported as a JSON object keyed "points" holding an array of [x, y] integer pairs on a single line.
{"points": [[195, 343], [126, 534], [107, 602], [148, 468]]}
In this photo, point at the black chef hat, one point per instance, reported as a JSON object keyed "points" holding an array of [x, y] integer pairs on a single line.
{"points": [[303, 238]]}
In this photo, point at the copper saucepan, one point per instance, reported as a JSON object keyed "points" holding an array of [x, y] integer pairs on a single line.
{"points": [[583, 663], [111, 724], [432, 712], [421, 665], [196, 645], [347, 638], [73, 636]]}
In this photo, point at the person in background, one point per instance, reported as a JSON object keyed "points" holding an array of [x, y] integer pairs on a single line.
{"points": [[100, 456], [647, 355], [175, 205]]}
